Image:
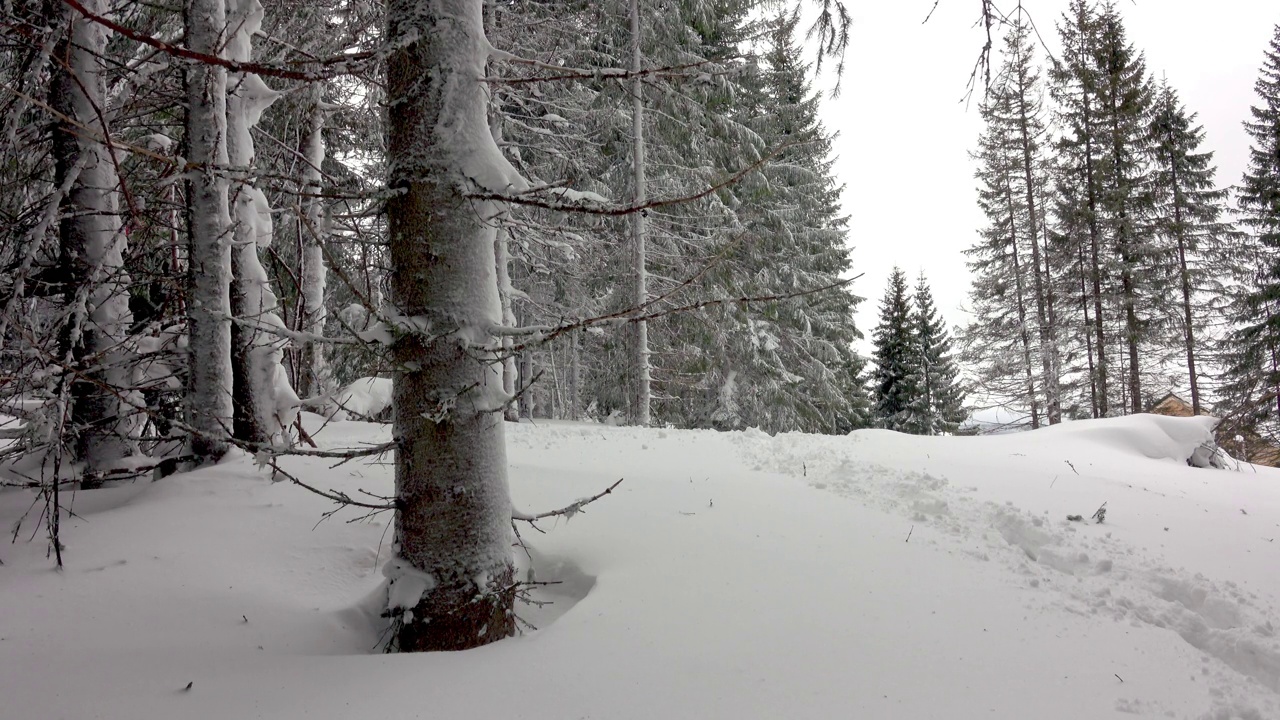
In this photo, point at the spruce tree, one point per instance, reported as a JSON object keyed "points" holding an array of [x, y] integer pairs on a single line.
{"points": [[1074, 87], [1011, 287], [793, 360], [1191, 233], [937, 408], [1126, 97], [1252, 352], [895, 381], [1105, 203]]}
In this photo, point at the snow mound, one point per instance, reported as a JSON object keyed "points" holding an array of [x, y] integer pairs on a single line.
{"points": [[877, 576], [1159, 437]]}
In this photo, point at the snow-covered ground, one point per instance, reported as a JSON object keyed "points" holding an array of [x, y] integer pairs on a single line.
{"points": [[732, 575]]}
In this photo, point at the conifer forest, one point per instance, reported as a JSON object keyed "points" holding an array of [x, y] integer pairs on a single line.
{"points": [[223, 219]]}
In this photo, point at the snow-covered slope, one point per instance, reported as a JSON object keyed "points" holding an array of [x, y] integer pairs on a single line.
{"points": [[732, 575]]}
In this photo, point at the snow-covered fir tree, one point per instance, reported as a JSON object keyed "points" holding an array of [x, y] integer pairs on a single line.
{"points": [[895, 377], [937, 408], [1104, 201], [1195, 243], [1252, 352], [1012, 341]]}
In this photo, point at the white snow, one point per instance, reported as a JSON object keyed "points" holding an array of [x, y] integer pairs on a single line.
{"points": [[364, 398], [731, 575]]}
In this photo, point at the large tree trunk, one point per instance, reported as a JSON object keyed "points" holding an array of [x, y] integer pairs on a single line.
{"points": [[640, 351], [92, 247], [209, 256], [451, 580], [264, 403]]}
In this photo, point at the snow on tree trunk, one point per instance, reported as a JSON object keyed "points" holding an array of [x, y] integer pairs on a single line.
{"points": [[451, 575], [92, 248], [209, 256], [640, 352], [315, 378], [265, 404], [509, 371], [501, 248]]}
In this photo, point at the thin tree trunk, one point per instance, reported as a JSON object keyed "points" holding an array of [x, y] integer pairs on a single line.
{"points": [[1128, 289], [315, 377], [1023, 334], [1131, 330], [1185, 277], [1088, 339], [575, 376], [640, 353], [526, 381], [451, 580], [209, 410], [1095, 242], [1048, 344], [92, 248]]}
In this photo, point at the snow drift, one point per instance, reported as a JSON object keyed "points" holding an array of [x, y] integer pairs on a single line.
{"points": [[730, 575]]}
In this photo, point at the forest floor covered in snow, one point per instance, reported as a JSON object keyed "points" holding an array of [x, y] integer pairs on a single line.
{"points": [[731, 575]]}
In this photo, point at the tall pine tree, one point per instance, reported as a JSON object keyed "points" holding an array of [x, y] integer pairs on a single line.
{"points": [[1012, 290], [1193, 240], [1252, 353]]}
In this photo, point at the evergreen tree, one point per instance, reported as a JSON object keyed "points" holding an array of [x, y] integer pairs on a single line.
{"points": [[1126, 96], [778, 365], [895, 380], [1011, 288], [1075, 88], [937, 408], [793, 362], [1252, 353], [1190, 228], [1105, 203]]}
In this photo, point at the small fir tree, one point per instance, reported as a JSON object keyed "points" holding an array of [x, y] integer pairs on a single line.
{"points": [[895, 379]]}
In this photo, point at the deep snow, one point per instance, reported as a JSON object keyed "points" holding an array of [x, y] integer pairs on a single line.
{"points": [[731, 575]]}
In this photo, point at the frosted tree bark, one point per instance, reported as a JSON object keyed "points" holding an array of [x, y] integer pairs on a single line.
{"points": [[208, 220], [510, 373], [92, 247], [640, 352], [264, 402], [451, 576], [509, 370], [315, 377]]}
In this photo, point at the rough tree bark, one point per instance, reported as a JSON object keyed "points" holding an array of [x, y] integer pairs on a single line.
{"points": [[209, 252], [92, 247], [451, 585]]}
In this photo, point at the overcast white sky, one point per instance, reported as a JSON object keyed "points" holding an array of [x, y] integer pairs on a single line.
{"points": [[904, 135]]}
